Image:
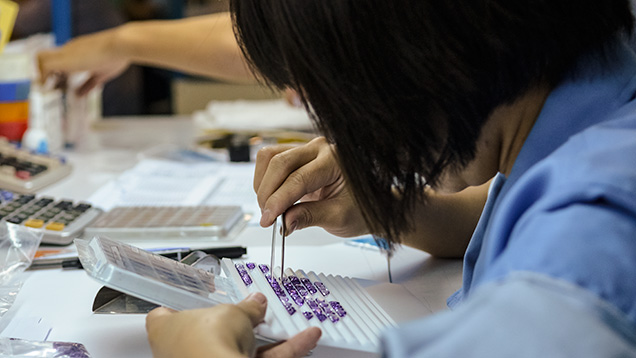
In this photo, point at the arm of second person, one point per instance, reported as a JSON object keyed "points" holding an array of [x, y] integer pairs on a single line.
{"points": [[203, 45]]}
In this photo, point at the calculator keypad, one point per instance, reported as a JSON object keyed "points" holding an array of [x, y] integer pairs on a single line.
{"points": [[60, 219], [133, 222], [26, 172], [20, 168], [39, 212]]}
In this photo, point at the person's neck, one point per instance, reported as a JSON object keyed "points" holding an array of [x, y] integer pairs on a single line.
{"points": [[514, 122], [500, 142]]}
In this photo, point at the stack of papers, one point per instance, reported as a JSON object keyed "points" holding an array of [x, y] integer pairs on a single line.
{"points": [[157, 182], [244, 115]]}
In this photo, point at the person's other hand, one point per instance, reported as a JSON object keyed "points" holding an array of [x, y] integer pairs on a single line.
{"points": [[220, 331], [306, 183], [96, 53]]}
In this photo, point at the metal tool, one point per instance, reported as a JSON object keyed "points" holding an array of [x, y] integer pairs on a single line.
{"points": [[282, 251], [273, 252]]}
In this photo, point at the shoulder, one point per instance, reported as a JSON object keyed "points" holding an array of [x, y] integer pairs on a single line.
{"points": [[523, 315], [599, 162]]}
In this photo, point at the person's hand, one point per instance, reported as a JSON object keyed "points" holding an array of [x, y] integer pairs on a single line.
{"points": [[220, 331], [287, 174], [96, 53]]}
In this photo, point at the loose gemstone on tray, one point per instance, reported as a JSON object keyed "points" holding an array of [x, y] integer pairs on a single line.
{"points": [[328, 310], [296, 290], [290, 308], [318, 311], [291, 289], [338, 308], [321, 287], [300, 288], [308, 285], [321, 317], [247, 279]]}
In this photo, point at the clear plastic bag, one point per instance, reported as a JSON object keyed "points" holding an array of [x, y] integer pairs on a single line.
{"points": [[12, 347], [18, 245]]}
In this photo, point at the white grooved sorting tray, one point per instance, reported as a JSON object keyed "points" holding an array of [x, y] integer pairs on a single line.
{"points": [[347, 313]]}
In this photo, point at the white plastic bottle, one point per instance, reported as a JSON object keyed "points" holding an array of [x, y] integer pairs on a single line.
{"points": [[36, 138], [44, 133]]}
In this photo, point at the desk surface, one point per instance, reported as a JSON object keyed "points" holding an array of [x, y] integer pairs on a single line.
{"points": [[55, 304]]}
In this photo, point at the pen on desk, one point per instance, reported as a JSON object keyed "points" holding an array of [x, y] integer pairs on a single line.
{"points": [[231, 252]]}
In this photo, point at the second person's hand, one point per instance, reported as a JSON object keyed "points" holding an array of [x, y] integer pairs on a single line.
{"points": [[95, 53], [307, 184]]}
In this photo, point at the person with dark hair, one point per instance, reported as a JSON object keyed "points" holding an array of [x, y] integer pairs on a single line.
{"points": [[511, 121]]}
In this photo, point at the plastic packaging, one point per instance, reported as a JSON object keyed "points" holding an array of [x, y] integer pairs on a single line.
{"points": [[12, 347], [18, 245]]}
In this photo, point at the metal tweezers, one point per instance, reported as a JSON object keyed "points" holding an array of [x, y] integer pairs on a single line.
{"points": [[273, 254]]}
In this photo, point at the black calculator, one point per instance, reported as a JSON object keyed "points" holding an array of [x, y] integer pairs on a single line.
{"points": [[61, 220]]}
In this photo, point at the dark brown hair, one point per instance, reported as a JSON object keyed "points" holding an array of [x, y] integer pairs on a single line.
{"points": [[403, 87]]}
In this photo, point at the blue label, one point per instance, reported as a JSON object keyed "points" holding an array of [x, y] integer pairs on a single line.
{"points": [[15, 91]]}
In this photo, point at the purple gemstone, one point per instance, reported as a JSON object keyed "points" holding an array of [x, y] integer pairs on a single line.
{"points": [[338, 308], [321, 287], [333, 317], [312, 304], [263, 268], [302, 291], [250, 265], [71, 350], [247, 280], [310, 287], [290, 309], [308, 315]]}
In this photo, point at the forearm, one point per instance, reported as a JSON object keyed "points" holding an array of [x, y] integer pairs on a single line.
{"points": [[203, 45], [444, 225]]}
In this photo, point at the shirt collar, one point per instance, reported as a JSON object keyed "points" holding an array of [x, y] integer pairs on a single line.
{"points": [[577, 104]]}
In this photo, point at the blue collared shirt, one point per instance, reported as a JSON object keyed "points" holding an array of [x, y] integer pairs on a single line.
{"points": [[551, 268]]}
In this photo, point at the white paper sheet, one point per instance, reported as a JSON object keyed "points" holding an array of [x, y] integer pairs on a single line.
{"points": [[154, 182]]}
